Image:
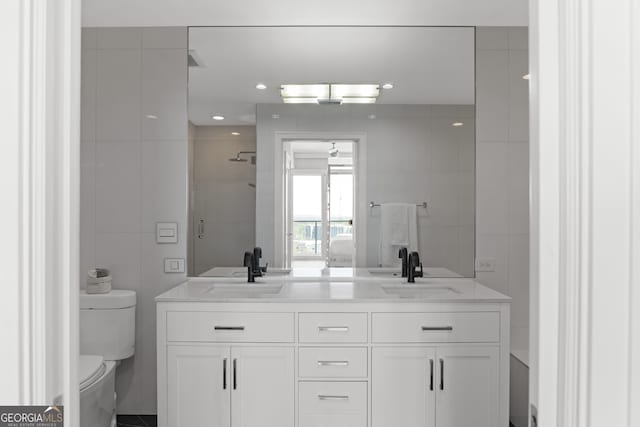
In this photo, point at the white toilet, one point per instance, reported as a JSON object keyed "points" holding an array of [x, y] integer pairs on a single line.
{"points": [[107, 335]]}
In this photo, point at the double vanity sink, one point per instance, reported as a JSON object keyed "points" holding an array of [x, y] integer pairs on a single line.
{"points": [[332, 347]]}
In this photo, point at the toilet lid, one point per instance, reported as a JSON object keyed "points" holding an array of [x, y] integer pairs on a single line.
{"points": [[91, 368]]}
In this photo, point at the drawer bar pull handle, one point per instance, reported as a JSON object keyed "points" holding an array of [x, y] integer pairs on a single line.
{"points": [[333, 362], [437, 328], [228, 328], [333, 328], [332, 397], [441, 374]]}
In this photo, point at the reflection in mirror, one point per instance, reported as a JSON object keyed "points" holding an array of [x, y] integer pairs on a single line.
{"points": [[332, 146]]}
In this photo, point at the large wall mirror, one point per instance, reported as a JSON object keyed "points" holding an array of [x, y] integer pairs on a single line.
{"points": [[322, 145]]}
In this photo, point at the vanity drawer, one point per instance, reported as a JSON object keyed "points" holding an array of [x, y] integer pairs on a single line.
{"points": [[332, 362], [324, 404], [435, 327], [209, 326], [333, 327]]}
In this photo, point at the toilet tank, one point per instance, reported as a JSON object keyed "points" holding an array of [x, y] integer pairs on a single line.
{"points": [[107, 324]]}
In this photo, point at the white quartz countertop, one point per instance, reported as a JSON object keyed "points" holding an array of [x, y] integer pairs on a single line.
{"points": [[328, 289]]}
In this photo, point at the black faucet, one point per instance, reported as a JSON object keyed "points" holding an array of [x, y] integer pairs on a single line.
{"points": [[403, 255], [249, 263], [414, 262], [257, 254]]}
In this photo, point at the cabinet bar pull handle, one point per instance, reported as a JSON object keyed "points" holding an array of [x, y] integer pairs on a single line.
{"points": [[431, 374], [437, 328], [333, 328], [441, 374], [235, 370], [224, 373], [228, 328], [333, 362], [332, 397]]}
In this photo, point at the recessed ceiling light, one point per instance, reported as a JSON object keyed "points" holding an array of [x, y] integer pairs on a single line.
{"points": [[275, 116], [372, 116], [235, 133], [151, 116], [217, 117], [526, 77], [261, 86], [457, 124], [387, 86]]}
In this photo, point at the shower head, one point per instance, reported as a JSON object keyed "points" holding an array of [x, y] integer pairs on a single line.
{"points": [[240, 159], [237, 159]]}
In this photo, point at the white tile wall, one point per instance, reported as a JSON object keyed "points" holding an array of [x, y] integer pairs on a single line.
{"points": [[502, 216], [133, 174]]}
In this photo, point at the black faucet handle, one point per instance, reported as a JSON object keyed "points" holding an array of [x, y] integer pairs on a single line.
{"points": [[257, 252]]}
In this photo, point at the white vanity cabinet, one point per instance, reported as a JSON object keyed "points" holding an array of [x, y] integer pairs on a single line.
{"points": [[435, 386], [340, 364], [226, 369], [221, 386]]}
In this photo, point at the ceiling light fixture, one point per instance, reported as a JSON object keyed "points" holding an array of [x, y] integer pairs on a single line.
{"points": [[151, 116], [329, 93], [235, 133], [457, 124], [526, 77], [217, 117], [333, 151], [261, 86], [387, 86], [275, 116]]}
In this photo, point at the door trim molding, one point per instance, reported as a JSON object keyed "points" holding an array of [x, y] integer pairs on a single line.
{"points": [[585, 205], [40, 173], [360, 207]]}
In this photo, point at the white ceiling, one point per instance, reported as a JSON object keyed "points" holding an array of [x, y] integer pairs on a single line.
{"points": [[426, 65], [114, 13]]}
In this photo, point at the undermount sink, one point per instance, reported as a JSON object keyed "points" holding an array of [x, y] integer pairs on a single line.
{"points": [[419, 291], [243, 290]]}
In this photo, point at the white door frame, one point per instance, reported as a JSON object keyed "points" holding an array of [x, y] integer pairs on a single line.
{"points": [[585, 212], [39, 171], [360, 185]]}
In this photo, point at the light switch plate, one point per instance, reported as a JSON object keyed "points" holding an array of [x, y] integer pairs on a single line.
{"points": [[485, 264], [166, 232], [174, 265]]}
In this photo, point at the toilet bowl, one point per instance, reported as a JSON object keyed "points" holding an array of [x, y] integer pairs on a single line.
{"points": [[107, 336], [97, 392]]}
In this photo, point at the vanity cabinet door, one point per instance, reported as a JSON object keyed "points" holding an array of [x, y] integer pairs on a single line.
{"points": [[198, 386], [263, 388], [403, 387], [467, 387]]}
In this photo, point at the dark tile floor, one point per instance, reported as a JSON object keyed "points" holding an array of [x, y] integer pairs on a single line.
{"points": [[137, 421]]}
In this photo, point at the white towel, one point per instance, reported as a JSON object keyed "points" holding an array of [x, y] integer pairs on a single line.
{"points": [[398, 228]]}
